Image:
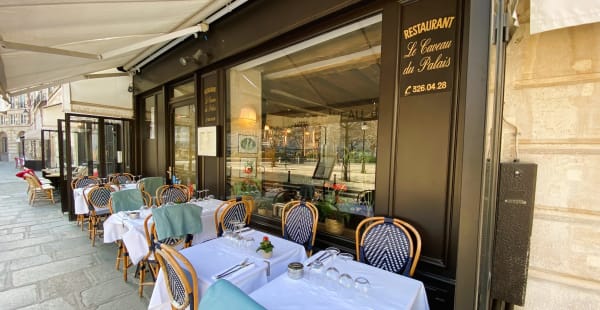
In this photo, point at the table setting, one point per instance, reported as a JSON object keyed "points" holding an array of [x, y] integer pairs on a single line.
{"points": [[120, 226], [236, 257], [332, 278]]}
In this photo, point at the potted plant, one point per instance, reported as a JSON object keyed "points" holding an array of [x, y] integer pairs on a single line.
{"points": [[328, 205], [265, 247]]}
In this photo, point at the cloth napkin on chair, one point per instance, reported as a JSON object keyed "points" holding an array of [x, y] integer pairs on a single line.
{"points": [[177, 220], [223, 295]]}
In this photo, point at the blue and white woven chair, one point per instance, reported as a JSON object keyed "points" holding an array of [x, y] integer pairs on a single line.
{"points": [[180, 277], [299, 223], [172, 193], [233, 210], [388, 243], [98, 199], [120, 178]]}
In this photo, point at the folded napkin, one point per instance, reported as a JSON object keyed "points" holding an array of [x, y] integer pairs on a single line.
{"points": [[128, 200], [234, 274], [177, 220], [223, 295]]}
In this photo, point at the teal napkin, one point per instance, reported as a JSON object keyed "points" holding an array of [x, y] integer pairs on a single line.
{"points": [[177, 220], [151, 184], [223, 295], [126, 200]]}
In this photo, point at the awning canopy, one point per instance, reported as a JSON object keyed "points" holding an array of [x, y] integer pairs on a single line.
{"points": [[548, 15], [53, 41]]}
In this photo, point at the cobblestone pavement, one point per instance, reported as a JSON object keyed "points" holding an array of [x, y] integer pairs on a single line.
{"points": [[47, 262]]}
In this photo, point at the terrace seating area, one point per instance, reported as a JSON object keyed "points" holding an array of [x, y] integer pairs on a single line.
{"points": [[188, 250]]}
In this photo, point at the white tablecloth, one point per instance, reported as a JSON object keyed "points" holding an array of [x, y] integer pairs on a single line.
{"points": [[81, 207], [117, 227], [212, 257], [388, 291]]}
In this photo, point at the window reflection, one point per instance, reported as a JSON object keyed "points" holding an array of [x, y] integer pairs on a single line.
{"points": [[303, 123]]}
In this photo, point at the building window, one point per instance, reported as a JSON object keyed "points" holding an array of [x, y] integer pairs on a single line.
{"points": [[3, 144], [2, 119], [23, 118], [302, 122]]}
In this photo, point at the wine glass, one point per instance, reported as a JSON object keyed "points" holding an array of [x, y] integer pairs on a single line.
{"points": [[362, 285], [206, 195]]}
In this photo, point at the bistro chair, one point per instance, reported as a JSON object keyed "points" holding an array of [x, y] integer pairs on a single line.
{"points": [[126, 200], [299, 223], [180, 278], [148, 263], [150, 185], [388, 243], [172, 193], [37, 191], [366, 197], [232, 210], [81, 182], [173, 226], [98, 199], [120, 178]]}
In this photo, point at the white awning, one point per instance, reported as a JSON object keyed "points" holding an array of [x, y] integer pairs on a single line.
{"points": [[54, 41], [554, 14]]}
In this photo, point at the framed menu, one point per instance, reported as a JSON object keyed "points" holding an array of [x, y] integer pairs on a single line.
{"points": [[207, 141]]}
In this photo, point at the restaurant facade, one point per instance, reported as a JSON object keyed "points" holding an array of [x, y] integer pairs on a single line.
{"points": [[365, 107]]}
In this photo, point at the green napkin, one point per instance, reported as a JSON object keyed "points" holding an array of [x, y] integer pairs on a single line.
{"points": [[151, 184], [126, 200], [223, 295], [177, 220]]}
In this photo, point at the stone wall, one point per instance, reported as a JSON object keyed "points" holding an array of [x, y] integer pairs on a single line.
{"points": [[552, 95]]}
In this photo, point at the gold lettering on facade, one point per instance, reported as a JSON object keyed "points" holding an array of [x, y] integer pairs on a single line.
{"points": [[429, 25], [427, 64], [209, 90], [428, 47]]}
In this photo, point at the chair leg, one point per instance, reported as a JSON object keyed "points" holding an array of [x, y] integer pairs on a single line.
{"points": [[125, 263], [119, 254], [142, 278]]}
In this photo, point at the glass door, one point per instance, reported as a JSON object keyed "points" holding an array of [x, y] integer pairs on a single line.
{"points": [[184, 146]]}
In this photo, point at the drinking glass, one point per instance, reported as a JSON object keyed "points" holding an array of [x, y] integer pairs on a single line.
{"points": [[332, 275], [333, 251], [347, 285], [345, 258], [315, 272], [228, 234], [362, 285], [249, 244]]}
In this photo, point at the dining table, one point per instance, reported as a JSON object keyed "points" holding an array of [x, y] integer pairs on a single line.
{"points": [[316, 291], [120, 226], [213, 257]]}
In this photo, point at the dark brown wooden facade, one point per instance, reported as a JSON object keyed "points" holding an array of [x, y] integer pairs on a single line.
{"points": [[428, 167]]}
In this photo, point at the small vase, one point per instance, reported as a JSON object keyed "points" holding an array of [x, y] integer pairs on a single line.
{"points": [[266, 255]]}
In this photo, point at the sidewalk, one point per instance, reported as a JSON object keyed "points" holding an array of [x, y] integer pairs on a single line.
{"points": [[47, 262]]}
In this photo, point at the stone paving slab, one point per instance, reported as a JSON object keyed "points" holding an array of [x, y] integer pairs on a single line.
{"points": [[47, 262]]}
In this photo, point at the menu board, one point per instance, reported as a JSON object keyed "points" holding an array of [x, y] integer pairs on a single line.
{"points": [[428, 52], [210, 99]]}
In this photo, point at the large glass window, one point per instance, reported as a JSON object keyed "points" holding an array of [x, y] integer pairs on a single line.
{"points": [[185, 143], [302, 122]]}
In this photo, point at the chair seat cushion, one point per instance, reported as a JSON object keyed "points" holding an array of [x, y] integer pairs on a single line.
{"points": [[47, 186]]}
